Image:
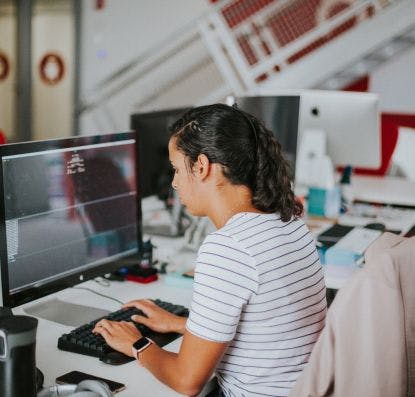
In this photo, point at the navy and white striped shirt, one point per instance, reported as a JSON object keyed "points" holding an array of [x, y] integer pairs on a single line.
{"points": [[259, 286]]}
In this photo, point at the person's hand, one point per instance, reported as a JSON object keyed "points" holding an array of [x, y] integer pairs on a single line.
{"points": [[120, 335], [157, 319]]}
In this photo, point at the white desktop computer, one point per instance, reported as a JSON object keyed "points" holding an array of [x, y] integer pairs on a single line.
{"points": [[349, 127], [312, 123]]}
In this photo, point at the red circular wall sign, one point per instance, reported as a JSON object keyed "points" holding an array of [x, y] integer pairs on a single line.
{"points": [[4, 66], [51, 68]]}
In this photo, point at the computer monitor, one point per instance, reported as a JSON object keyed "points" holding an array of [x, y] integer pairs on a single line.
{"points": [[69, 211], [343, 125], [156, 173], [280, 115], [350, 121]]}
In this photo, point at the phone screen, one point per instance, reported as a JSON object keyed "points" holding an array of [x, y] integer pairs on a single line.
{"points": [[74, 377]]}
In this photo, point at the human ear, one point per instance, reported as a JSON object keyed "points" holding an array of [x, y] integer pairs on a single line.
{"points": [[202, 166]]}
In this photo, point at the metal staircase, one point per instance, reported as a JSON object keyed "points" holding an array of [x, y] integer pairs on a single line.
{"points": [[260, 46]]}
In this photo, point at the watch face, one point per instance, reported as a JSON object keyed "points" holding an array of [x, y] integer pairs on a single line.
{"points": [[142, 342]]}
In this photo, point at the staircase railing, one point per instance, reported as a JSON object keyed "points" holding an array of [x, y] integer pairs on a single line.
{"points": [[270, 36], [250, 41]]}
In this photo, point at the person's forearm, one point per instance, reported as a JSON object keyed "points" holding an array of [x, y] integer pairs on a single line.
{"points": [[189, 370], [165, 367], [180, 325]]}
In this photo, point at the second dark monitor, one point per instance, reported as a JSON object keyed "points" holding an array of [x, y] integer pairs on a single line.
{"points": [[162, 212], [155, 170], [280, 114]]}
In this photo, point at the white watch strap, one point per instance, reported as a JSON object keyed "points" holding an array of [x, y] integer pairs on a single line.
{"points": [[136, 353]]}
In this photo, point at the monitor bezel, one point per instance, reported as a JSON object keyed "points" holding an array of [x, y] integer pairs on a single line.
{"points": [[35, 292]]}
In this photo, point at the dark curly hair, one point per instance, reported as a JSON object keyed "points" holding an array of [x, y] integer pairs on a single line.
{"points": [[248, 152]]}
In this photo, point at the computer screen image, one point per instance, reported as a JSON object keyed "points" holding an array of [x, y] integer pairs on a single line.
{"points": [[162, 212], [69, 212]]}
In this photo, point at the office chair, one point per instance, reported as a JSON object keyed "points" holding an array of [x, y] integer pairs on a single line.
{"points": [[367, 347]]}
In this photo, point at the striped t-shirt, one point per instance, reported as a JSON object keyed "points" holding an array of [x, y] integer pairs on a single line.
{"points": [[259, 286]]}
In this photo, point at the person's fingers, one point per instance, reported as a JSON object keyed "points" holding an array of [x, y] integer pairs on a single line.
{"points": [[135, 302], [127, 325], [129, 304], [141, 319], [104, 324], [142, 304], [102, 331], [107, 324]]}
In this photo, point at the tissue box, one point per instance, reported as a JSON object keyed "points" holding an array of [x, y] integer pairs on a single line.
{"points": [[323, 202]]}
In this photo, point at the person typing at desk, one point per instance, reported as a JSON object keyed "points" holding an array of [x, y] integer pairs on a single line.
{"points": [[259, 295]]}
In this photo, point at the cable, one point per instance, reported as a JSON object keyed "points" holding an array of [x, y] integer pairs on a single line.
{"points": [[98, 293]]}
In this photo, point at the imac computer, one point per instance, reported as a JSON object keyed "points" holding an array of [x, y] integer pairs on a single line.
{"points": [[350, 121], [343, 125], [162, 212], [69, 212]]}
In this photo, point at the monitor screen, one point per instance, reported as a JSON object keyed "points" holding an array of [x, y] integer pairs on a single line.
{"points": [[280, 115], [153, 130], [162, 212], [69, 212]]}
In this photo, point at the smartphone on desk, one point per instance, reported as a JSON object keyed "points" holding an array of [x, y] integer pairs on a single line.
{"points": [[74, 377]]}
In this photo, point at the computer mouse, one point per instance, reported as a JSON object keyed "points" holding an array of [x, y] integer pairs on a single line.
{"points": [[376, 226], [115, 358]]}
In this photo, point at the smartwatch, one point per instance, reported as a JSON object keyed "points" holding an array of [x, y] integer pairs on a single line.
{"points": [[140, 345]]}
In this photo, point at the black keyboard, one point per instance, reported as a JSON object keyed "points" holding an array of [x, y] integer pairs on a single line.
{"points": [[81, 340]]}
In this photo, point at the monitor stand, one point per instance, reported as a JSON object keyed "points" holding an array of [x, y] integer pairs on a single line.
{"points": [[312, 146], [65, 313]]}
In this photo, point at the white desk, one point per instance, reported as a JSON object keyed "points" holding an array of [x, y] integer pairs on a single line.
{"points": [[139, 382], [384, 190]]}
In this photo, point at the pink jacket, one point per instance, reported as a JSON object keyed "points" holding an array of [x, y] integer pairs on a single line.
{"points": [[367, 347]]}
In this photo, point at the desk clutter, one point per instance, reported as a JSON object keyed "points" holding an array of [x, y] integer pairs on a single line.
{"points": [[395, 219], [358, 224], [345, 244], [351, 247]]}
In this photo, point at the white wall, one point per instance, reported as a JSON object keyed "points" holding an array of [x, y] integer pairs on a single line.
{"points": [[52, 105], [394, 82], [124, 29], [120, 33], [52, 31]]}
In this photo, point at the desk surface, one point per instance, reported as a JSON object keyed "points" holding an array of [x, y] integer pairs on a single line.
{"points": [[379, 190], [384, 190], [53, 362]]}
